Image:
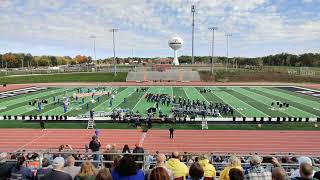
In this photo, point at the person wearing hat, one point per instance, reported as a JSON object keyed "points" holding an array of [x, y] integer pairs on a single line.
{"points": [[256, 171], [57, 171], [4, 167]]}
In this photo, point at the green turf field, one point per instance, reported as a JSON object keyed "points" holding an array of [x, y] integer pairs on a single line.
{"points": [[246, 101]]}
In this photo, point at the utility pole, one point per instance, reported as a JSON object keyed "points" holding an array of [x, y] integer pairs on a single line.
{"points": [[212, 48], [193, 10], [227, 37], [113, 30]]}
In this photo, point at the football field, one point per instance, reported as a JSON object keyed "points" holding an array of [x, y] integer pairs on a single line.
{"points": [[245, 101]]}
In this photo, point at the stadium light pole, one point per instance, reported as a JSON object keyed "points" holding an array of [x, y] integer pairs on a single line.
{"points": [[212, 47], [227, 39], [113, 30], [193, 10], [94, 46]]}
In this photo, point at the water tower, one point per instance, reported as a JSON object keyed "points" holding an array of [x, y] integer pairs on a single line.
{"points": [[175, 43]]}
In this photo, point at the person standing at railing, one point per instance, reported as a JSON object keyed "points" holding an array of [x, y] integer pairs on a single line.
{"points": [[138, 149], [94, 146]]}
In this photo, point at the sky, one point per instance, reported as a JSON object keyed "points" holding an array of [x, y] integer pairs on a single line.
{"points": [[66, 27]]}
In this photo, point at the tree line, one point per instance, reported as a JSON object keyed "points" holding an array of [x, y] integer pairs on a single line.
{"points": [[283, 59], [17, 60]]}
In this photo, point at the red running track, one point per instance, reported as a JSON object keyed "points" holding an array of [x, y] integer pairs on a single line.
{"points": [[264, 142]]}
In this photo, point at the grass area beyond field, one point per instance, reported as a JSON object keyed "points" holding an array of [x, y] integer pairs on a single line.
{"points": [[63, 125], [64, 77]]}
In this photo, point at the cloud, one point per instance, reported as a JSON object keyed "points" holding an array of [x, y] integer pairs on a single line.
{"points": [[147, 25]]}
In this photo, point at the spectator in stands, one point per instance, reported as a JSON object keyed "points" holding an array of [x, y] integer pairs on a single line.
{"points": [[138, 149], [279, 174], [159, 173], [19, 171], [57, 171], [44, 170], [233, 162], [87, 172], [116, 162], [196, 172], [94, 146], [104, 174], [127, 169], [256, 171], [235, 174], [161, 162], [5, 168], [209, 170], [126, 149], [178, 168], [110, 148], [63, 148], [306, 172], [301, 160], [71, 169]]}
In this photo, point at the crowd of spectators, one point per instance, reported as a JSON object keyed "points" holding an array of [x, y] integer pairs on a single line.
{"points": [[127, 164]]}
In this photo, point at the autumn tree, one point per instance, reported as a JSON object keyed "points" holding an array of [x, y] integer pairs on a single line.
{"points": [[10, 60], [81, 59]]}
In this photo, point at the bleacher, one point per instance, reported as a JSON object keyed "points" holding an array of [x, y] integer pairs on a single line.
{"points": [[174, 75]]}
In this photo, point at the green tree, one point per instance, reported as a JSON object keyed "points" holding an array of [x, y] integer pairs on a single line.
{"points": [[53, 60], [28, 58]]}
